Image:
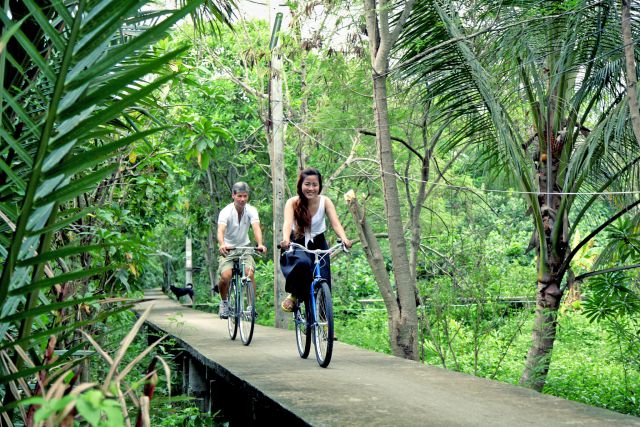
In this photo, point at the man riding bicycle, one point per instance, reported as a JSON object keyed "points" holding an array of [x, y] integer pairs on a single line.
{"points": [[233, 230]]}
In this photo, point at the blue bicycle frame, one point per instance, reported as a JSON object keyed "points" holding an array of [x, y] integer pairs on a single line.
{"points": [[316, 319]]}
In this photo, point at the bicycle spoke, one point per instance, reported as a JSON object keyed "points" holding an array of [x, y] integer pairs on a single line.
{"points": [[323, 328], [232, 320], [303, 330], [246, 309]]}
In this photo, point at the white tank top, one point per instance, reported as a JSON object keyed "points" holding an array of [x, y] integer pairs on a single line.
{"points": [[318, 224]]}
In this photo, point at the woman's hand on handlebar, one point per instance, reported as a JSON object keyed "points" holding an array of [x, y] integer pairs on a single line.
{"points": [[284, 245]]}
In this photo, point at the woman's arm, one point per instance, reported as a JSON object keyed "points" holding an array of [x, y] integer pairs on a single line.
{"points": [[288, 222], [330, 211]]}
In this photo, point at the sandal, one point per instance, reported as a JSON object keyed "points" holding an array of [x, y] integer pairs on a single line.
{"points": [[289, 304]]}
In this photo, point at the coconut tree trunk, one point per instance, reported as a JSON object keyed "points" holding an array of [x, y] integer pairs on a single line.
{"points": [[630, 64], [549, 293], [544, 334]]}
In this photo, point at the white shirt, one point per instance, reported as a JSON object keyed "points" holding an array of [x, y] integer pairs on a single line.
{"points": [[318, 224], [237, 231]]}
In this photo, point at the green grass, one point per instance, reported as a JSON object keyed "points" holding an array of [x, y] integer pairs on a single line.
{"points": [[587, 366]]}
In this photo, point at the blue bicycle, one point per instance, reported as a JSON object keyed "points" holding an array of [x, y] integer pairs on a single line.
{"points": [[315, 314]]}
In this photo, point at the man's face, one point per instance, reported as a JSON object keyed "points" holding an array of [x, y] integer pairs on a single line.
{"points": [[240, 199]]}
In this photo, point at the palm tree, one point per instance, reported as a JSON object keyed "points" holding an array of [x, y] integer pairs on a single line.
{"points": [[541, 84], [73, 79]]}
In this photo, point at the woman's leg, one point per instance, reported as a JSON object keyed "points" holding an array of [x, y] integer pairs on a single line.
{"points": [[319, 242]]}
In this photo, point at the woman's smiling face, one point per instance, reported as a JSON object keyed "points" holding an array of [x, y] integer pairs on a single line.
{"points": [[311, 186]]}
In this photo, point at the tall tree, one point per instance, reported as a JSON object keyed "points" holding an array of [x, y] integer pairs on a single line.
{"points": [[631, 76], [383, 34], [562, 74]]}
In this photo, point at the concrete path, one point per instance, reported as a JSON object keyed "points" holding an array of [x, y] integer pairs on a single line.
{"points": [[362, 387]]}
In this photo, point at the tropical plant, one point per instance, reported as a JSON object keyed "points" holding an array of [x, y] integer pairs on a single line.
{"points": [[75, 76], [539, 85], [107, 404]]}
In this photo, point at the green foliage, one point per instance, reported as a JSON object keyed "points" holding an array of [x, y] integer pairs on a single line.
{"points": [[76, 83], [610, 297], [93, 408], [148, 190], [367, 330], [183, 415], [264, 292], [607, 376]]}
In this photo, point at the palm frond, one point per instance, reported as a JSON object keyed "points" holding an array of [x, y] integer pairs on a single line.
{"points": [[73, 78]]}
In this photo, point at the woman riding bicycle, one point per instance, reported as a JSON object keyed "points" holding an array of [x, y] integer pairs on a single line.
{"points": [[304, 223]]}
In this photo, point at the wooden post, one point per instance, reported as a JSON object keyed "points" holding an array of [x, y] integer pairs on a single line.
{"points": [[188, 269], [276, 121]]}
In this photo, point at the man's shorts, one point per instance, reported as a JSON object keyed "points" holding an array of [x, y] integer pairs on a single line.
{"points": [[226, 262]]}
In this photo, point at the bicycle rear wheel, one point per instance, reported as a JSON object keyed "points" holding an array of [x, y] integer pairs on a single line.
{"points": [[303, 329], [247, 310], [232, 320], [323, 325]]}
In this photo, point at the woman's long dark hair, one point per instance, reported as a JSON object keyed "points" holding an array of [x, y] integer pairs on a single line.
{"points": [[301, 214]]}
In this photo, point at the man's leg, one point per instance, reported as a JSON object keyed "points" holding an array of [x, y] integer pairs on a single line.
{"points": [[223, 284], [249, 272]]}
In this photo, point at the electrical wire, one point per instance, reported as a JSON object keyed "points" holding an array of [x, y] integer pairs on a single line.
{"points": [[466, 187]]}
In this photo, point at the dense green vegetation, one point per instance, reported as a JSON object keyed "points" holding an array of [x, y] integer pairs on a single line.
{"points": [[115, 149]]}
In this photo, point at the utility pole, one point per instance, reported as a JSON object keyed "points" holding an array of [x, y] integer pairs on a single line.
{"points": [[276, 151], [188, 267]]}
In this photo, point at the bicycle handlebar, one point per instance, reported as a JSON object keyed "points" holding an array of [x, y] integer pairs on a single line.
{"points": [[253, 249], [332, 249]]}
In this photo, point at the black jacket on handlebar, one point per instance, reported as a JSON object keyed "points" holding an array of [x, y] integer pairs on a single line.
{"points": [[297, 266]]}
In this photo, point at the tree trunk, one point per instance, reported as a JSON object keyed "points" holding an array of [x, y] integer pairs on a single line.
{"points": [[211, 237], [402, 332], [372, 250], [403, 321], [405, 324], [630, 63], [544, 334], [304, 110], [549, 293], [416, 210], [209, 255]]}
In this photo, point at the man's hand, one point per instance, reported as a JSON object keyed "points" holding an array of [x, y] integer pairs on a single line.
{"points": [[224, 250], [347, 243], [262, 248]]}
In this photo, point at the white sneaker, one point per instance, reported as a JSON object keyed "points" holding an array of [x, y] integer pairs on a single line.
{"points": [[223, 310]]}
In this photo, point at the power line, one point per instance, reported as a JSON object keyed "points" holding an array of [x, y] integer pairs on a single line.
{"points": [[465, 187]]}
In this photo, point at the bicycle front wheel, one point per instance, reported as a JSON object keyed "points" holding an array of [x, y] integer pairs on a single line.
{"points": [[232, 320], [303, 329], [323, 324], [247, 310]]}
